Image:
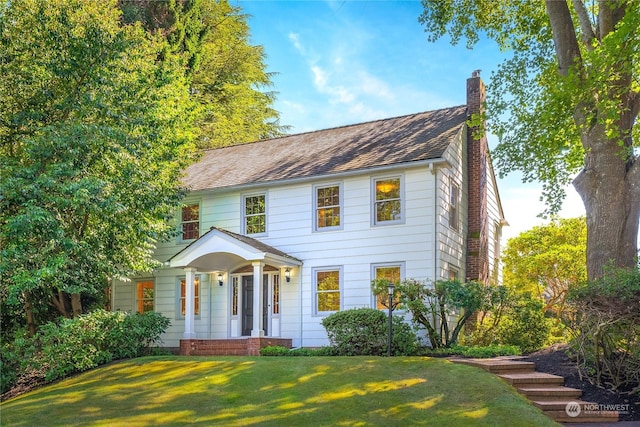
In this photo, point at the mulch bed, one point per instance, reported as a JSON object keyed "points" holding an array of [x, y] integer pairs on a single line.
{"points": [[554, 360]]}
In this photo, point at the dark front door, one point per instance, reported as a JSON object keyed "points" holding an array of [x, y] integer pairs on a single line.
{"points": [[247, 304]]}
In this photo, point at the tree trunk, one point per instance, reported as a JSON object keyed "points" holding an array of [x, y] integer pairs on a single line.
{"points": [[28, 309], [76, 305], [609, 186]]}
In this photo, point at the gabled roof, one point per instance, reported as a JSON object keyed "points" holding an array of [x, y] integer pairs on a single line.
{"points": [[220, 249], [405, 139]]}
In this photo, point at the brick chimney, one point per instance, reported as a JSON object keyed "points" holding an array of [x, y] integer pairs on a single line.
{"points": [[478, 223]]}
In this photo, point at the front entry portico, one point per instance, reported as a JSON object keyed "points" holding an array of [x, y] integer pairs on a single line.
{"points": [[221, 253]]}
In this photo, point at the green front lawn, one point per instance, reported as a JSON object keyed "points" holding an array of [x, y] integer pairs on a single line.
{"points": [[276, 391]]}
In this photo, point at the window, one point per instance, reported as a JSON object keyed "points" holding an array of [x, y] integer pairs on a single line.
{"points": [[388, 206], [328, 212], [276, 295], [196, 296], [190, 222], [234, 296], [255, 214], [144, 296], [392, 273], [327, 290], [454, 214], [453, 274]]}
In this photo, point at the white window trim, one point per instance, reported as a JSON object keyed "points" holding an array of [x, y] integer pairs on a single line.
{"points": [[314, 279], [135, 291], [266, 213], [374, 221], [188, 203], [456, 226], [315, 227], [179, 315], [401, 264]]}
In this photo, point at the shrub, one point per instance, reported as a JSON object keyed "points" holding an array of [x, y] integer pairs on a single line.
{"points": [[282, 351], [75, 345], [476, 351], [364, 331], [606, 330], [525, 325]]}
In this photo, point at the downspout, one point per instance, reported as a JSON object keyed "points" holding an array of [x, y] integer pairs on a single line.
{"points": [[434, 172]]}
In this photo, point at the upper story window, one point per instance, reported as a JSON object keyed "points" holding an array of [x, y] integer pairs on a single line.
{"points": [[328, 211], [388, 200], [255, 214], [190, 222], [454, 202], [144, 295], [327, 293]]}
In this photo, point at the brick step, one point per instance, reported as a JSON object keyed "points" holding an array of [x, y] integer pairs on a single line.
{"points": [[562, 417], [499, 366], [532, 379], [550, 393]]}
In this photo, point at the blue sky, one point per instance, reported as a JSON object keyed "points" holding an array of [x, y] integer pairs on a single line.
{"points": [[344, 62]]}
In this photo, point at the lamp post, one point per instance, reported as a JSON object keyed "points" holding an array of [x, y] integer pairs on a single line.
{"points": [[390, 288]]}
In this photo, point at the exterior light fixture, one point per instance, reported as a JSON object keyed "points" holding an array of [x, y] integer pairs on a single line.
{"points": [[220, 279], [390, 289], [287, 275]]}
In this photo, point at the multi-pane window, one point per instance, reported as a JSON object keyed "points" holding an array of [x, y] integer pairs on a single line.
{"points": [[276, 295], [454, 213], [255, 214], [390, 273], [327, 207], [144, 296], [190, 222], [196, 296], [327, 290], [388, 205], [235, 287]]}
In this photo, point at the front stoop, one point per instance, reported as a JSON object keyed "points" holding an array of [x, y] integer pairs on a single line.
{"points": [[546, 391]]}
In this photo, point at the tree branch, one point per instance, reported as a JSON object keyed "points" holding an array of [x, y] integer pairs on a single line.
{"points": [[564, 35], [588, 34]]}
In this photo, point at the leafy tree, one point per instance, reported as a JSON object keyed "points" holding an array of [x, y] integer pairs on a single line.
{"points": [[548, 261], [94, 132], [227, 74], [567, 101], [434, 305]]}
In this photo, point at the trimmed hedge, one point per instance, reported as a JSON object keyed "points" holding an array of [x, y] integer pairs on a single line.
{"points": [[364, 331]]}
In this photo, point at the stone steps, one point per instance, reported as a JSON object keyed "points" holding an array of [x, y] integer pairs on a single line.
{"points": [[546, 391]]}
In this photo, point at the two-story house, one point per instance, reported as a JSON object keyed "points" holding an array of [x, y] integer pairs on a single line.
{"points": [[277, 234]]}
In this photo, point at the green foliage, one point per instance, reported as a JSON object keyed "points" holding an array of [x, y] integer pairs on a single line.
{"points": [[304, 352], [75, 345], [226, 73], [606, 330], [364, 331], [475, 351], [433, 306], [525, 325], [548, 261], [94, 134]]}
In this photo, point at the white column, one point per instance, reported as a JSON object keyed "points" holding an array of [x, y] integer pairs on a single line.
{"points": [[189, 309], [258, 330]]}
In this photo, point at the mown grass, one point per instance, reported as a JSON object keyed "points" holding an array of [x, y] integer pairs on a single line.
{"points": [[276, 391]]}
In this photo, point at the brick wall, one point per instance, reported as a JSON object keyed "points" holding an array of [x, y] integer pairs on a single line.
{"points": [[478, 224]]}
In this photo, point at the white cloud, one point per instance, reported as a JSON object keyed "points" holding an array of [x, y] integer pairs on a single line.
{"points": [[295, 40]]}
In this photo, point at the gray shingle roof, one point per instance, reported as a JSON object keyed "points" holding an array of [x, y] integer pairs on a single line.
{"points": [[397, 140]]}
